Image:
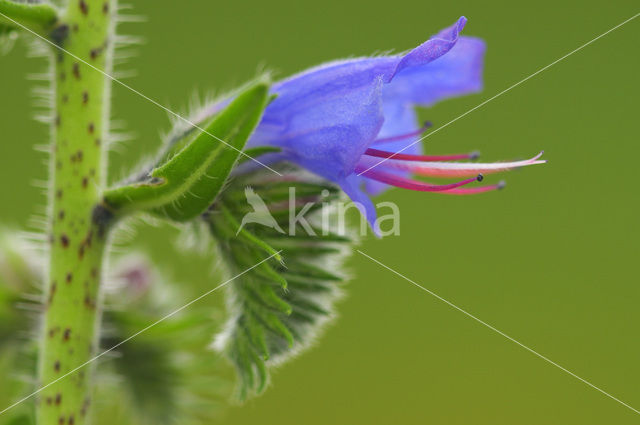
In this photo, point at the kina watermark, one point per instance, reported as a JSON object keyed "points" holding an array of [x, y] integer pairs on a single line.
{"points": [[320, 217]]}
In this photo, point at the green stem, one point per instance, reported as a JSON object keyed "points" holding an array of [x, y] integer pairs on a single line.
{"points": [[78, 237]]}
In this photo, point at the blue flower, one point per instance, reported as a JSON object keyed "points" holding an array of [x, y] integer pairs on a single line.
{"points": [[346, 120]]}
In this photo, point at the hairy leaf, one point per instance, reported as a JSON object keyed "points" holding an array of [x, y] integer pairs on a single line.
{"points": [[165, 374], [20, 277], [278, 307], [184, 185]]}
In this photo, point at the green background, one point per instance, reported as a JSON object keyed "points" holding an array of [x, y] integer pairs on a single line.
{"points": [[552, 261]]}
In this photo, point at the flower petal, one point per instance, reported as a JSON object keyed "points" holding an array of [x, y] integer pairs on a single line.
{"points": [[326, 133], [325, 118], [398, 119], [457, 73], [431, 49], [351, 186]]}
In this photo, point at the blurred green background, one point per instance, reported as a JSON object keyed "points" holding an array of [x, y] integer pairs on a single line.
{"points": [[552, 261]]}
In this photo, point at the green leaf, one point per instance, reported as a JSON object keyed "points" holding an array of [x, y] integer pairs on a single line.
{"points": [[256, 152], [165, 375], [185, 185], [20, 274], [38, 17], [248, 236], [280, 191], [278, 308]]}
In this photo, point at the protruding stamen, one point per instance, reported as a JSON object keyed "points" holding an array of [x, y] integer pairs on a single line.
{"points": [[425, 126], [475, 190], [405, 183], [420, 158], [457, 169]]}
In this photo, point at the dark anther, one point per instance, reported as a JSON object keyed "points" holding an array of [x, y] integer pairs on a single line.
{"points": [[480, 177]]}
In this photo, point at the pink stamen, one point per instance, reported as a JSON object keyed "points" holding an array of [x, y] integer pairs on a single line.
{"points": [[426, 125], [405, 183], [453, 169], [475, 190], [421, 158]]}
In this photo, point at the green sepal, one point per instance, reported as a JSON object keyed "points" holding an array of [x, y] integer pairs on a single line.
{"points": [[38, 17], [298, 237], [302, 285], [256, 152], [280, 191], [311, 271], [248, 236], [186, 185], [257, 337]]}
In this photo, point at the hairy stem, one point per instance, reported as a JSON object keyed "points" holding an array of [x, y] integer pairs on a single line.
{"points": [[69, 336]]}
